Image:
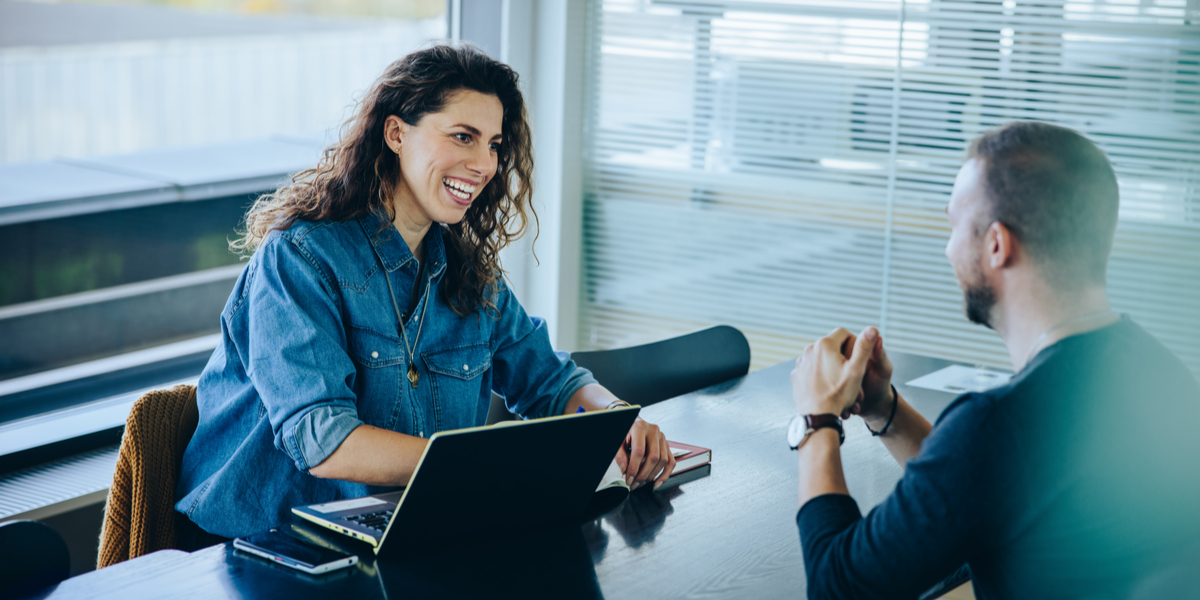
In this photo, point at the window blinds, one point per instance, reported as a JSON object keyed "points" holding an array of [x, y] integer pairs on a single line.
{"points": [[784, 167]]}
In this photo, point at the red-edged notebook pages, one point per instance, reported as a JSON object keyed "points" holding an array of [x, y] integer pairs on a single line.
{"points": [[689, 457]]}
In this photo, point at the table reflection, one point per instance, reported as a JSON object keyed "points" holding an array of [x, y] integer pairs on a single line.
{"points": [[548, 564], [642, 515]]}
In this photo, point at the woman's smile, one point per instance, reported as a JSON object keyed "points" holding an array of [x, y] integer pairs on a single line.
{"points": [[460, 190]]}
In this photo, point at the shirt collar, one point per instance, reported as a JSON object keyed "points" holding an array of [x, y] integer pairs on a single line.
{"points": [[392, 250]]}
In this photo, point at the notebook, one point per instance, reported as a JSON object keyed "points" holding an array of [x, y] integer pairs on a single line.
{"points": [[613, 490], [486, 482]]}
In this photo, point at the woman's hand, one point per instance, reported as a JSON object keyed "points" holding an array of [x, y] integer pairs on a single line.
{"points": [[645, 455]]}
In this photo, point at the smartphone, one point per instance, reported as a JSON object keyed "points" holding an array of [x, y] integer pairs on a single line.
{"points": [[286, 550]]}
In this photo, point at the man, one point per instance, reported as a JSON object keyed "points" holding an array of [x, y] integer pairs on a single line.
{"points": [[1081, 477]]}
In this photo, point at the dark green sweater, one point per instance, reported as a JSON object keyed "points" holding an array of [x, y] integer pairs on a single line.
{"points": [[1080, 478]]}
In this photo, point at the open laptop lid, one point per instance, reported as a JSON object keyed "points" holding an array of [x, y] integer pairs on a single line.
{"points": [[499, 480]]}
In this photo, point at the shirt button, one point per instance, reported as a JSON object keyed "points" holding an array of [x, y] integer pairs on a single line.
{"points": [[374, 355], [421, 433], [466, 368]]}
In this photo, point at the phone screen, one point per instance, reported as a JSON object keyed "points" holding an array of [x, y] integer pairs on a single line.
{"points": [[283, 545]]}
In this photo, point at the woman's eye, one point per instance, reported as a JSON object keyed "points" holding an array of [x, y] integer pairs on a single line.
{"points": [[463, 137], [495, 146]]}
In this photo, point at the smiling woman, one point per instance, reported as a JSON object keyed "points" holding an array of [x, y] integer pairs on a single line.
{"points": [[429, 109], [373, 312]]}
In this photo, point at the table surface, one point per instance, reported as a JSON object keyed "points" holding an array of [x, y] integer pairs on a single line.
{"points": [[730, 534]]}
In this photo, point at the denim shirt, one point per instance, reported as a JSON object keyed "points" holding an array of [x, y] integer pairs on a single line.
{"points": [[312, 349]]}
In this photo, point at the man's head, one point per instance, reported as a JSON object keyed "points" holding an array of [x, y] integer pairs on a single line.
{"points": [[1044, 191]]}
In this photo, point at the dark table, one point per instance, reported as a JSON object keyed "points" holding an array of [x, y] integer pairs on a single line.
{"points": [[730, 534]]}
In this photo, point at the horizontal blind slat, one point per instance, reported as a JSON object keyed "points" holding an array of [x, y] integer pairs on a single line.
{"points": [[744, 160]]}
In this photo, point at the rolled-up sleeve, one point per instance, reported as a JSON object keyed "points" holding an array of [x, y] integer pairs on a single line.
{"points": [[535, 380], [297, 355], [318, 433]]}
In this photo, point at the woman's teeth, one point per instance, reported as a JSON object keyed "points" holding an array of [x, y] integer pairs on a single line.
{"points": [[458, 188]]}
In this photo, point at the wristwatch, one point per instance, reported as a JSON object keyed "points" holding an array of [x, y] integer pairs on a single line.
{"points": [[803, 426]]}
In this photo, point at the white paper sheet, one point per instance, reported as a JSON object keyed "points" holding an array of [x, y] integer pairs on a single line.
{"points": [[958, 379]]}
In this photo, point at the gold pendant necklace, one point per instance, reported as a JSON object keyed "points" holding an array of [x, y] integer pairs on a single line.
{"points": [[414, 376]]}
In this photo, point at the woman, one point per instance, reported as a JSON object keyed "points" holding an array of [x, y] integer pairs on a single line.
{"points": [[372, 313]]}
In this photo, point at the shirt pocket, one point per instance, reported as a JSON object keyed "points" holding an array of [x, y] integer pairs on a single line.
{"points": [[456, 378], [380, 368]]}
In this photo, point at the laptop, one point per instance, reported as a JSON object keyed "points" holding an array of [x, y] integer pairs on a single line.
{"points": [[486, 482]]}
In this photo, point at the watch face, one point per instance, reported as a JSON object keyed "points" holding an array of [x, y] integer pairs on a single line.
{"points": [[796, 431]]}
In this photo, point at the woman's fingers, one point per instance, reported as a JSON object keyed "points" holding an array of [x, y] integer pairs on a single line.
{"points": [[650, 463], [669, 465], [658, 456], [637, 450], [649, 456]]}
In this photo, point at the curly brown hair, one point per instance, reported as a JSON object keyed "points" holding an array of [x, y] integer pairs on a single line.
{"points": [[356, 175]]}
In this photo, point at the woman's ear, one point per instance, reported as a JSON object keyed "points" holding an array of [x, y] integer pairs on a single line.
{"points": [[393, 130]]}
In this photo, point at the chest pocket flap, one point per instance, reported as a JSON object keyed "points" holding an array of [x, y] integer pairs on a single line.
{"points": [[459, 362], [373, 349]]}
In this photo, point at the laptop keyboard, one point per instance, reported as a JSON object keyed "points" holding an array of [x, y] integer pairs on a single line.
{"points": [[373, 520]]}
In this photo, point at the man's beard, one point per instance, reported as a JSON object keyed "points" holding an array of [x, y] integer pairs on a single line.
{"points": [[978, 300]]}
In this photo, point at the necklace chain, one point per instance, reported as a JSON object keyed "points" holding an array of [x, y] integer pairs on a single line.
{"points": [[413, 375], [1037, 344]]}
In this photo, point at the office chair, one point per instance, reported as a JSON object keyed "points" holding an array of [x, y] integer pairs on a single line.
{"points": [[660, 370], [140, 517], [33, 557]]}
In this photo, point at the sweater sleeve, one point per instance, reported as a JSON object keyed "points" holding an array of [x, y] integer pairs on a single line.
{"points": [[928, 527]]}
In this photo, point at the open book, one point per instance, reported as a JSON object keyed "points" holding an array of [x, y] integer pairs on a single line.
{"points": [[691, 462], [613, 489]]}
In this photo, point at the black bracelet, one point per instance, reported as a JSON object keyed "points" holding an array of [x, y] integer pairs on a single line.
{"points": [[895, 403]]}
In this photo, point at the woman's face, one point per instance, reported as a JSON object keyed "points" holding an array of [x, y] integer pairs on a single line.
{"points": [[446, 159]]}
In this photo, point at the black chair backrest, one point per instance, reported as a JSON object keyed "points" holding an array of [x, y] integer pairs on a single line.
{"points": [[655, 372], [33, 557]]}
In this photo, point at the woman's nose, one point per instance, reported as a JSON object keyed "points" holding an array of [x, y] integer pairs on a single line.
{"points": [[481, 161]]}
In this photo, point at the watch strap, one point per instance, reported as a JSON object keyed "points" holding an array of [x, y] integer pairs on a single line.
{"points": [[815, 422]]}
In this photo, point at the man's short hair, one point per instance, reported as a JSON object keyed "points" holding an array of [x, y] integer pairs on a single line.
{"points": [[1056, 191]]}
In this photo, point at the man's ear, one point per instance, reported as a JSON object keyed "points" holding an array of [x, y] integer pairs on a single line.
{"points": [[1001, 246]]}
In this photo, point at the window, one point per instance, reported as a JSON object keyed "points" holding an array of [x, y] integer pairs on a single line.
{"points": [[135, 135], [784, 166]]}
